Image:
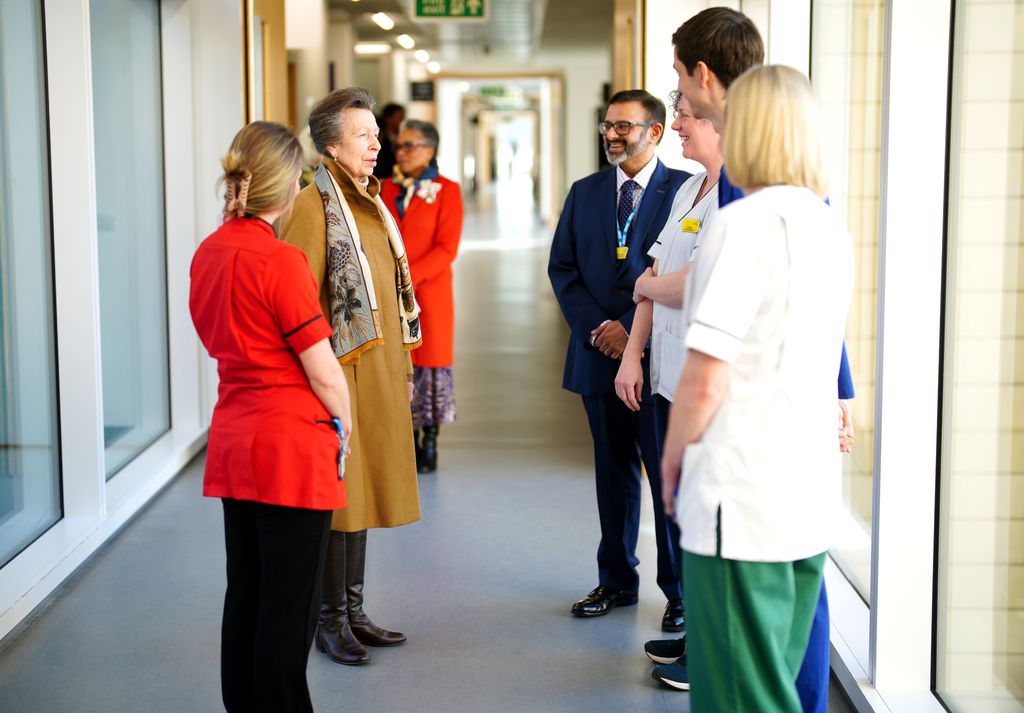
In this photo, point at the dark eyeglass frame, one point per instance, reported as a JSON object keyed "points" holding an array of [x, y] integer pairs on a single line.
{"points": [[622, 128], [409, 146]]}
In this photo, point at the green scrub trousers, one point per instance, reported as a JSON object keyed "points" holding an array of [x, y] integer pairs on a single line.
{"points": [[747, 629]]}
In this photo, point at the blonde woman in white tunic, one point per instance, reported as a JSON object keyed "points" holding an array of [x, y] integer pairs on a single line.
{"points": [[752, 432]]}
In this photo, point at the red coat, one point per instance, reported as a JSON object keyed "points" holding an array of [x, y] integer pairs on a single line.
{"points": [[255, 306], [431, 232]]}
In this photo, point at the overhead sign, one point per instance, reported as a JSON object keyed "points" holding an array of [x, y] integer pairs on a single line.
{"points": [[421, 91], [464, 10]]}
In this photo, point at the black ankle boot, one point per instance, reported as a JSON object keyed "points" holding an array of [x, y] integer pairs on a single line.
{"points": [[417, 435], [333, 632], [429, 449], [365, 630]]}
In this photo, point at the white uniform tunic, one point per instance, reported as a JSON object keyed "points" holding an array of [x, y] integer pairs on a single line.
{"points": [[768, 294], [675, 247]]}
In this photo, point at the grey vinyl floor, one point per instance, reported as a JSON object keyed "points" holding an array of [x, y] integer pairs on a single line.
{"points": [[481, 585]]}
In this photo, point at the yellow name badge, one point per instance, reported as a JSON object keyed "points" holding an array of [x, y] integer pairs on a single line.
{"points": [[621, 253], [691, 225]]}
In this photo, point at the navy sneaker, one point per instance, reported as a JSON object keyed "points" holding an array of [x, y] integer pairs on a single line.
{"points": [[666, 651], [673, 674]]}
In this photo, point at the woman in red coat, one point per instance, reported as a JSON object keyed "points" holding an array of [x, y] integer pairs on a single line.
{"points": [[428, 208], [275, 450]]}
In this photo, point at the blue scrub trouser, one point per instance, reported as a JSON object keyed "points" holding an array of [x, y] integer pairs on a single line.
{"points": [[812, 681]]}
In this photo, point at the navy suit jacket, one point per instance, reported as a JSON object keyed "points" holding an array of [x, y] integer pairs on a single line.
{"points": [[590, 284]]}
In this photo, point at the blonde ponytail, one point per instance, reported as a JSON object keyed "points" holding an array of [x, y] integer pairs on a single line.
{"points": [[260, 169]]}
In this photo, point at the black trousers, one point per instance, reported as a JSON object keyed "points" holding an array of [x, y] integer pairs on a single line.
{"points": [[275, 562], [621, 439]]}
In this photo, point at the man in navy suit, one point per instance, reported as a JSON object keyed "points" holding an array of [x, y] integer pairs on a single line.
{"points": [[609, 221]]}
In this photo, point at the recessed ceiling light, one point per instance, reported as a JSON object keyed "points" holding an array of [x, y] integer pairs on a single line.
{"points": [[422, 56], [433, 67], [406, 41], [372, 48], [383, 20]]}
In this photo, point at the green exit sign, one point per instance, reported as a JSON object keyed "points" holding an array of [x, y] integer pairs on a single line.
{"points": [[450, 9]]}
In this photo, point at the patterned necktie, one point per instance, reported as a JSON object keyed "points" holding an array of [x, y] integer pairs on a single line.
{"points": [[627, 201]]}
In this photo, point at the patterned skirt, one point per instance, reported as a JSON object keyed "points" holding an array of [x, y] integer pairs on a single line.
{"points": [[433, 400]]}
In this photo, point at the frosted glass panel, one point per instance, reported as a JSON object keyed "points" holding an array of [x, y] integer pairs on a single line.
{"points": [[130, 216], [980, 608], [846, 71], [30, 496]]}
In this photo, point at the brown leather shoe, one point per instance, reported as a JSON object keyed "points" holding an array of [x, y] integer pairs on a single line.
{"points": [[334, 634], [364, 630]]}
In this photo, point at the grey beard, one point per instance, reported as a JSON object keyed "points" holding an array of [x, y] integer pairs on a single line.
{"points": [[631, 151]]}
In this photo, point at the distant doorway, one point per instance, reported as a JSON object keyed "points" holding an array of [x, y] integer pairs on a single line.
{"points": [[502, 138]]}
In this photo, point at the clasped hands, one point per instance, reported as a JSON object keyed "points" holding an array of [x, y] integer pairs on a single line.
{"points": [[610, 339]]}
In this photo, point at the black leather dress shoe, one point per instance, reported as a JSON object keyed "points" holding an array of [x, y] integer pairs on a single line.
{"points": [[675, 616], [602, 600]]}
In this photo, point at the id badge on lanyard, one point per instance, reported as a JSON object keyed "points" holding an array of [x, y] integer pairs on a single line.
{"points": [[335, 424], [622, 250]]}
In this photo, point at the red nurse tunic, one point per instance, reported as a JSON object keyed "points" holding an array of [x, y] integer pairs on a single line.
{"points": [[254, 304]]}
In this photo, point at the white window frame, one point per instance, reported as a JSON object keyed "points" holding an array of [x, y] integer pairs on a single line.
{"points": [[201, 113], [889, 667]]}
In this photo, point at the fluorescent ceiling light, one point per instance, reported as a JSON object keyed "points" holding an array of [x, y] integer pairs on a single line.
{"points": [[422, 56], [372, 48], [433, 67], [383, 20], [406, 41]]}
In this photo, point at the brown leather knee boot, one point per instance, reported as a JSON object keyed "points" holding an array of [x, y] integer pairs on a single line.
{"points": [[365, 630], [333, 632]]}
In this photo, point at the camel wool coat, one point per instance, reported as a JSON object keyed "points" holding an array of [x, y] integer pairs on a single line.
{"points": [[380, 474]]}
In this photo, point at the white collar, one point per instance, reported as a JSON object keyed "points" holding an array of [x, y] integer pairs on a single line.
{"points": [[642, 177]]}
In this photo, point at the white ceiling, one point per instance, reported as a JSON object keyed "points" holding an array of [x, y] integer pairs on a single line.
{"points": [[515, 29]]}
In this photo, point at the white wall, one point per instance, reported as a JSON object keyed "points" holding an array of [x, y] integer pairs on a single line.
{"points": [[310, 61], [340, 41]]}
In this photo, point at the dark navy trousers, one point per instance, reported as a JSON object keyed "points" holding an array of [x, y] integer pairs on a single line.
{"points": [[622, 439]]}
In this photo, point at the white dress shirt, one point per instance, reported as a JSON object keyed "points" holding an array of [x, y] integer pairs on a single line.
{"points": [[642, 178], [769, 294]]}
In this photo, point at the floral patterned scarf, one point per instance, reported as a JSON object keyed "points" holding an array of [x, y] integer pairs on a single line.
{"points": [[355, 316], [423, 186]]}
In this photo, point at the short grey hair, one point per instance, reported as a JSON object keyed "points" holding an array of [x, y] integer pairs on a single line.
{"points": [[427, 130], [325, 121]]}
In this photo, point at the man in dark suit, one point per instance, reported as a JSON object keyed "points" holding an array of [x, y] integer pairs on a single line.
{"points": [[609, 221]]}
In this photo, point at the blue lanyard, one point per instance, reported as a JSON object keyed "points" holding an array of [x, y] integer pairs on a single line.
{"points": [[621, 233]]}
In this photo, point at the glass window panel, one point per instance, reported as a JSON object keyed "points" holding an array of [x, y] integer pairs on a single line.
{"points": [[30, 494], [846, 70], [980, 608], [130, 215]]}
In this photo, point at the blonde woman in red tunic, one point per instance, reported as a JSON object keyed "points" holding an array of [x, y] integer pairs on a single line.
{"points": [[428, 208], [273, 454]]}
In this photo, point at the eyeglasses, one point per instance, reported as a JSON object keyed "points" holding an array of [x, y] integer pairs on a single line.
{"points": [[621, 127], [409, 146]]}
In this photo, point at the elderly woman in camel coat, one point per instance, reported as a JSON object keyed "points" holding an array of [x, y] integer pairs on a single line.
{"points": [[358, 260]]}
